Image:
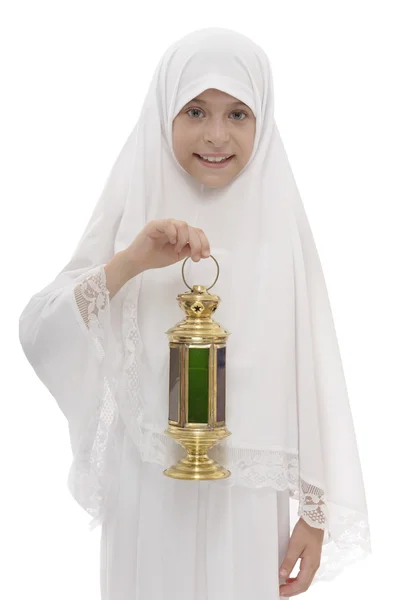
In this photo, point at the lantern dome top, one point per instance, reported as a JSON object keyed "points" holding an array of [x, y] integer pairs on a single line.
{"points": [[198, 326]]}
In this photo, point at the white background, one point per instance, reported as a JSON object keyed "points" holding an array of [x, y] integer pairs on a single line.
{"points": [[74, 76]]}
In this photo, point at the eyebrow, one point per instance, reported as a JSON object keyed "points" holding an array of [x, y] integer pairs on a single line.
{"points": [[236, 103]]}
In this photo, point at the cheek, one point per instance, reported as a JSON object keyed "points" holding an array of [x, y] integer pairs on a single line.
{"points": [[177, 136], [250, 135], [182, 144]]}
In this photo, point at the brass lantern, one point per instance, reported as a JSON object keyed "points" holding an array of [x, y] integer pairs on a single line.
{"points": [[197, 384]]}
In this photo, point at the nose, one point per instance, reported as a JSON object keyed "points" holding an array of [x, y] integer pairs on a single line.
{"points": [[216, 133]]}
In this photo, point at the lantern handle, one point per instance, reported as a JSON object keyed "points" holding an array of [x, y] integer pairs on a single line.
{"points": [[215, 280]]}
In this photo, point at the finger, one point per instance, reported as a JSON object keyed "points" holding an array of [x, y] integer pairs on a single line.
{"points": [[205, 244], [302, 582], [171, 232], [291, 558], [295, 587], [157, 228], [183, 234], [195, 244], [185, 252]]}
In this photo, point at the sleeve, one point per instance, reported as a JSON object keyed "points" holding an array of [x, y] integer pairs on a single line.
{"points": [[331, 491], [66, 335], [59, 334], [59, 326]]}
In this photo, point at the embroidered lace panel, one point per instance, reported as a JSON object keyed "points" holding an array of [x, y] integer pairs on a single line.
{"points": [[92, 297], [89, 480]]}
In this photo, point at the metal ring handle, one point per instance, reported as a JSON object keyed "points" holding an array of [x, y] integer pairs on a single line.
{"points": [[215, 281]]}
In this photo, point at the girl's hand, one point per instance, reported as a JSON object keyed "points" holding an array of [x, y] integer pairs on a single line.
{"points": [[166, 241], [305, 543]]}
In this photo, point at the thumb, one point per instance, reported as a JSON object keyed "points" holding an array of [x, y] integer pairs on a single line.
{"points": [[185, 252], [288, 564]]}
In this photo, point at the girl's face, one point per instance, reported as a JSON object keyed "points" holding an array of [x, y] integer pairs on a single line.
{"points": [[213, 123]]}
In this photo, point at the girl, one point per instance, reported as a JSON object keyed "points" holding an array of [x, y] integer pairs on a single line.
{"points": [[96, 338]]}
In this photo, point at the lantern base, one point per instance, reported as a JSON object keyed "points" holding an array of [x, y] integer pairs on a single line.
{"points": [[200, 469], [197, 465]]}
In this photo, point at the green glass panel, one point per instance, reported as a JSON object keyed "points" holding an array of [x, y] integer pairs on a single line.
{"points": [[198, 385], [174, 384], [221, 383]]}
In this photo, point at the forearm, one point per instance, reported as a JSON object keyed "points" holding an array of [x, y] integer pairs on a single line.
{"points": [[119, 270]]}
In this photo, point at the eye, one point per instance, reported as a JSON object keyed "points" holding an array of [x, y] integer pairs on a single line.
{"points": [[236, 112], [193, 109], [239, 112]]}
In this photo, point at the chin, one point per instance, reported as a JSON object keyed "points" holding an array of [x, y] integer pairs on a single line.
{"points": [[211, 184], [215, 186]]}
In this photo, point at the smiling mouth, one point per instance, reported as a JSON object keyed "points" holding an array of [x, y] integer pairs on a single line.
{"points": [[214, 165]]}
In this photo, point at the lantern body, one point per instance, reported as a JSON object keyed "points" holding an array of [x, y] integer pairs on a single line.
{"points": [[197, 386]]}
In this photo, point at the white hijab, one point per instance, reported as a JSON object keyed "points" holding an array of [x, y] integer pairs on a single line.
{"points": [[287, 403]]}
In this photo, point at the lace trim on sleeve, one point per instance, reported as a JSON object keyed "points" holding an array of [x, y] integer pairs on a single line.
{"points": [[93, 473], [312, 505], [92, 297]]}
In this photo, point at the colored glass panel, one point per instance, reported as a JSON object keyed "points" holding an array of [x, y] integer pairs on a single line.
{"points": [[174, 384], [221, 383], [198, 385]]}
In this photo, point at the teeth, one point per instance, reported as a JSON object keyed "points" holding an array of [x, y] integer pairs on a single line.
{"points": [[214, 158]]}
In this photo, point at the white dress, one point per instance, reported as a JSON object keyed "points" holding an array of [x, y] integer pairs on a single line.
{"points": [[187, 540], [169, 539]]}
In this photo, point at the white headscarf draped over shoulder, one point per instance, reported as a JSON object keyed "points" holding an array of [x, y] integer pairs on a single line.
{"points": [[106, 362]]}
